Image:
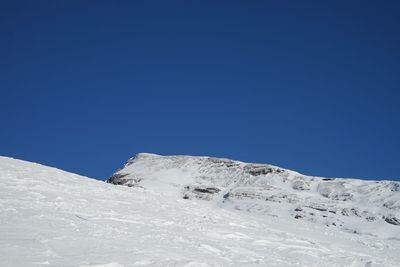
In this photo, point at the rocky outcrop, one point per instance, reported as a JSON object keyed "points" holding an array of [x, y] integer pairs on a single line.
{"points": [[392, 220], [123, 179]]}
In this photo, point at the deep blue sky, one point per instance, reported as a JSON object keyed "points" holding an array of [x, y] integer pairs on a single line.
{"points": [[307, 85]]}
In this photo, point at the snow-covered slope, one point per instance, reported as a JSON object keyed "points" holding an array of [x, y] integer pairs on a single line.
{"points": [[356, 206], [54, 218]]}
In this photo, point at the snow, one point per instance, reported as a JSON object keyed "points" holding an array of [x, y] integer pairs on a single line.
{"points": [[49, 217], [356, 206]]}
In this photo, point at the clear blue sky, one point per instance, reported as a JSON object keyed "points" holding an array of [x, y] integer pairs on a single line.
{"points": [[308, 85]]}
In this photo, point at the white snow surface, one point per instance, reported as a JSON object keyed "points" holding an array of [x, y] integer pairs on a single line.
{"points": [[168, 217]]}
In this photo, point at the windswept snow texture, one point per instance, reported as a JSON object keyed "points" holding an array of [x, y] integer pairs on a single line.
{"points": [[350, 205], [54, 218]]}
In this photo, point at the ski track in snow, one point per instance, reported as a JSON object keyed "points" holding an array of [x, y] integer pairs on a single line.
{"points": [[49, 217]]}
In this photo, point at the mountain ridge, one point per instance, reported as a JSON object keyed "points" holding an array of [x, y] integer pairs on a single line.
{"points": [[266, 189], [142, 155]]}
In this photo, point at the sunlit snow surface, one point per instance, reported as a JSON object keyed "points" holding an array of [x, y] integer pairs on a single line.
{"points": [[54, 218]]}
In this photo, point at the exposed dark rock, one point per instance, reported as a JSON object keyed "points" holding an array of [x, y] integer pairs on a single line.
{"points": [[115, 178], [119, 179], [392, 220], [200, 192], [370, 218], [298, 216], [395, 187], [257, 170], [209, 190], [318, 208], [345, 212], [355, 212], [260, 171], [226, 162]]}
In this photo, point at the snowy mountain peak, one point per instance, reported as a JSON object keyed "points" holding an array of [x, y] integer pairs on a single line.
{"points": [[351, 205], [55, 218]]}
